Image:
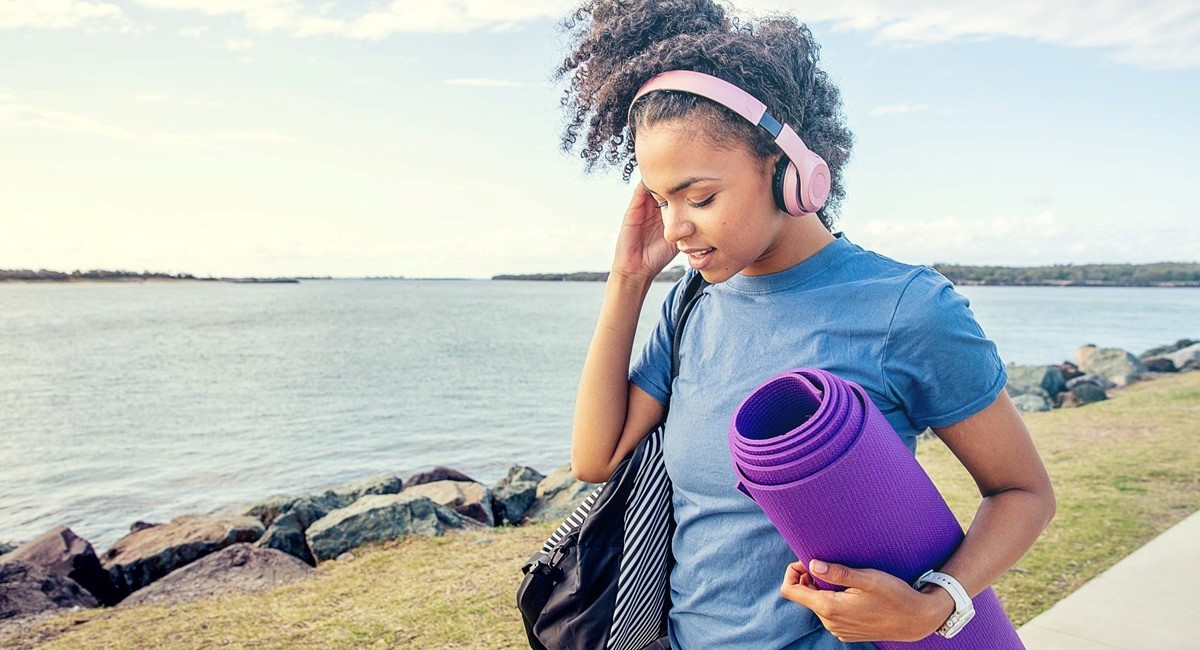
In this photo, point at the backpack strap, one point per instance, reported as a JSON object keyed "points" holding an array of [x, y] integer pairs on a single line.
{"points": [[691, 295]]}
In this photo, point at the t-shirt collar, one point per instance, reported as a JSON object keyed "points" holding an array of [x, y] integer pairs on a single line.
{"points": [[787, 278]]}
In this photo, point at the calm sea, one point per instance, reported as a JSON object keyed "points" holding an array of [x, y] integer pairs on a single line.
{"points": [[121, 402]]}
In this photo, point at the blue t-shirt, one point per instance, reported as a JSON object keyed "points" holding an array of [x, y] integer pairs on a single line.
{"points": [[900, 331]]}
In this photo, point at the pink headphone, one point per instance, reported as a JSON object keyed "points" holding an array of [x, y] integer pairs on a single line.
{"points": [[801, 182]]}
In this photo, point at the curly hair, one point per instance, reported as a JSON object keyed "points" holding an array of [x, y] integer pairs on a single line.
{"points": [[617, 45]]}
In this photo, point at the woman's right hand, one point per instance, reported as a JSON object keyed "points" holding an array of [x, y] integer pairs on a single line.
{"points": [[642, 249]]}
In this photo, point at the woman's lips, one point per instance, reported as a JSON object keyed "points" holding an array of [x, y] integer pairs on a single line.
{"points": [[698, 258]]}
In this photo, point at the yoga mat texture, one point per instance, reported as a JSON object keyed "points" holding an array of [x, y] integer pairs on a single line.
{"points": [[814, 452]]}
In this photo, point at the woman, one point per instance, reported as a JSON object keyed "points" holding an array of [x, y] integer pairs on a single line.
{"points": [[786, 293]]}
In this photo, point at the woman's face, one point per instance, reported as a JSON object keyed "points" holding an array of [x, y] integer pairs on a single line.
{"points": [[716, 201]]}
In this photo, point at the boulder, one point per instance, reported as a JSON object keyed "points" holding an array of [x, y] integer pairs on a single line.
{"points": [[1159, 364], [513, 494], [30, 589], [558, 495], [140, 558], [271, 508], [62, 552], [437, 474], [1117, 365], [381, 517], [1049, 378], [1087, 392], [468, 499], [7, 547], [236, 569], [1186, 358], [1017, 388], [1069, 370], [1030, 403], [1083, 354], [1098, 380], [287, 533], [1164, 350]]}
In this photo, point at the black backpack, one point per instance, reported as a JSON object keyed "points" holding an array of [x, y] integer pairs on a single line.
{"points": [[601, 581]]}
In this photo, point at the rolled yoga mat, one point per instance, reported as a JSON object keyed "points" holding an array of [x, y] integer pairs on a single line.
{"points": [[828, 470]]}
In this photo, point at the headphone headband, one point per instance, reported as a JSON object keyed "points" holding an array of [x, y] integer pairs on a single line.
{"points": [[807, 187]]}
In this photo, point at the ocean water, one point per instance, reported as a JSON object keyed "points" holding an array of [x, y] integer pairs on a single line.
{"points": [[121, 402]]}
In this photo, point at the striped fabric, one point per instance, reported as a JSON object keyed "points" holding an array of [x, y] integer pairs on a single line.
{"points": [[642, 584]]}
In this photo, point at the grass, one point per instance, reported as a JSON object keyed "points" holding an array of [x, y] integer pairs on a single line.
{"points": [[1124, 470]]}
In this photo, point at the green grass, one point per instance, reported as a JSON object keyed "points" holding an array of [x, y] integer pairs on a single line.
{"points": [[1124, 470]]}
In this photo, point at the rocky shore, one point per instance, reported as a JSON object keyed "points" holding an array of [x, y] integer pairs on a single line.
{"points": [[281, 538]]}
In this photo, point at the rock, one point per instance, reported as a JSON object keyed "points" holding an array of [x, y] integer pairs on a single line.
{"points": [[7, 547], [513, 494], [345, 557], [468, 499], [286, 535], [391, 484], [1164, 350], [558, 495], [62, 552], [1186, 358], [30, 589], [1049, 378], [1030, 403], [1017, 388], [1117, 365], [1159, 364], [1069, 371], [437, 474], [1087, 392], [1098, 380], [381, 517], [141, 525], [236, 569], [271, 508], [1083, 354], [140, 558]]}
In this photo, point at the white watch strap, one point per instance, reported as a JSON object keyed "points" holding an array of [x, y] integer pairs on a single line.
{"points": [[962, 602]]}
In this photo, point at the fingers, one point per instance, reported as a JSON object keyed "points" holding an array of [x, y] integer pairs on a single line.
{"points": [[845, 576]]}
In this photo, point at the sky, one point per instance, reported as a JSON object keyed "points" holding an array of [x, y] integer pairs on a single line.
{"points": [[421, 138]]}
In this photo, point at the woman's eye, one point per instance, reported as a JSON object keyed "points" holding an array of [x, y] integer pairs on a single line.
{"points": [[662, 205], [702, 203]]}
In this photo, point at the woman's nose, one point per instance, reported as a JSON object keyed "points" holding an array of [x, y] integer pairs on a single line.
{"points": [[676, 225]]}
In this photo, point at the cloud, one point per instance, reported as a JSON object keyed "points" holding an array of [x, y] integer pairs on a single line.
{"points": [[25, 117], [1152, 33], [153, 98], [484, 83], [238, 44], [61, 14], [194, 33], [897, 109]]}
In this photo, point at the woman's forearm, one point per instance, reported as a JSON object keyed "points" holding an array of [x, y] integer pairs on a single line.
{"points": [[602, 403]]}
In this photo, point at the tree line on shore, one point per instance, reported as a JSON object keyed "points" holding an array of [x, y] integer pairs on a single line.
{"points": [[44, 275], [1163, 274]]}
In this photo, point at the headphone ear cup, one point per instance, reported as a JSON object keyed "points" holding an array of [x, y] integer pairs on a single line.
{"points": [[781, 170]]}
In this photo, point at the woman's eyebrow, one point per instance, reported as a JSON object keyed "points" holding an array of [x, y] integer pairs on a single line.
{"points": [[684, 185]]}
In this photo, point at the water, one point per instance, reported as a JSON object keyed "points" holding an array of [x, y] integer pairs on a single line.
{"points": [[144, 401]]}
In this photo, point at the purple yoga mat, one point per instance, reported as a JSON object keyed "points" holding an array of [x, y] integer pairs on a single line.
{"points": [[828, 470]]}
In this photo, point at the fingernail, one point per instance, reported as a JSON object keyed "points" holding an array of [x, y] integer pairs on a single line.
{"points": [[818, 566]]}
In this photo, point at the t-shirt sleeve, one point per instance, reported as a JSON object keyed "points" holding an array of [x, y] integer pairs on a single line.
{"points": [[651, 370], [937, 362]]}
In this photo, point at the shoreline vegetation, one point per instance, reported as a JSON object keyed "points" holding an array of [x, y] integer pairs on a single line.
{"points": [[434, 560], [98, 275], [1162, 274]]}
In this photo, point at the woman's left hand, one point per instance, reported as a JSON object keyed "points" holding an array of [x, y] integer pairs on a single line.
{"points": [[875, 606]]}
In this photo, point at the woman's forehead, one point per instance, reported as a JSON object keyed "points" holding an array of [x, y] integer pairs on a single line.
{"points": [[671, 155]]}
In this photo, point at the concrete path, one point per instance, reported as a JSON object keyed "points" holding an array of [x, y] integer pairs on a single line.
{"points": [[1148, 600]]}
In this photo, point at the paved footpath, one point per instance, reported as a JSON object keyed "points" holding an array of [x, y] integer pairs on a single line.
{"points": [[1148, 600]]}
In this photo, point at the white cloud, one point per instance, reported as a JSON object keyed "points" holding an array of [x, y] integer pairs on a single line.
{"points": [[238, 44], [151, 98], [484, 83], [1152, 33], [195, 33], [897, 109], [60, 14], [22, 116], [1011, 240]]}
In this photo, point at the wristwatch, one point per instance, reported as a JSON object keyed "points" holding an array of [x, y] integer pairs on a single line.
{"points": [[964, 609]]}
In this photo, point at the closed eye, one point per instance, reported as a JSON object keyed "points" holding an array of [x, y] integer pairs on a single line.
{"points": [[694, 205]]}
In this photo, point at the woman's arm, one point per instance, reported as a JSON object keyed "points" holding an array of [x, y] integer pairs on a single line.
{"points": [[1018, 503], [611, 414]]}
